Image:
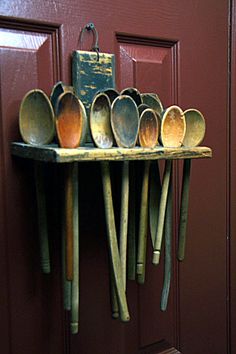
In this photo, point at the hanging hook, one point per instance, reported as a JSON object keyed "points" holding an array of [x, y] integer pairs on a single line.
{"points": [[90, 27]]}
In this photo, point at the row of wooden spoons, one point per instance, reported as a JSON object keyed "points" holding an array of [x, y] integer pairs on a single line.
{"points": [[115, 119], [124, 119]]}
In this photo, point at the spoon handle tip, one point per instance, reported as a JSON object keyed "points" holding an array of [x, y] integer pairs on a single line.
{"points": [[74, 327], [156, 257]]}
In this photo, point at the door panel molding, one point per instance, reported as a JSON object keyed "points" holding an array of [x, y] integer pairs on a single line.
{"points": [[29, 58], [23, 26], [159, 348]]}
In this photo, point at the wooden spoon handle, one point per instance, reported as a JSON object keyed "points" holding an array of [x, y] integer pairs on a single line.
{"points": [[112, 241], [114, 301], [124, 218], [154, 199], [42, 217], [132, 225], [66, 283], [184, 209], [123, 236], [75, 282], [161, 219], [143, 226], [168, 238], [69, 220]]}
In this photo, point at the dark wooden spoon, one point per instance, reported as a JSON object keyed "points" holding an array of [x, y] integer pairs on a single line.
{"points": [[133, 93], [57, 90], [195, 132], [153, 101]]}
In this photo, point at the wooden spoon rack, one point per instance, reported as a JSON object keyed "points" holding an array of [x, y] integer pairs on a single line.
{"points": [[71, 158], [52, 153]]}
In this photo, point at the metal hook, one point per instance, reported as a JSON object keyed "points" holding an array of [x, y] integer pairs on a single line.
{"points": [[90, 27]]}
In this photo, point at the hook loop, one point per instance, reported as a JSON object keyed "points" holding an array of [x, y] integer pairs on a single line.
{"points": [[90, 27]]}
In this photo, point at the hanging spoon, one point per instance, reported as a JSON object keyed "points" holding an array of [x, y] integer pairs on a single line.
{"points": [[195, 132], [173, 129], [125, 124], [133, 93], [70, 122], [57, 90], [148, 137], [101, 131], [153, 101], [128, 197], [168, 262], [37, 127]]}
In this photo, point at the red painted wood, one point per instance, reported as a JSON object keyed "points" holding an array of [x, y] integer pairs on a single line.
{"points": [[182, 50]]}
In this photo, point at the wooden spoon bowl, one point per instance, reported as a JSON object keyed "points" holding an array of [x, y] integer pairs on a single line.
{"points": [[142, 108], [100, 121], [173, 127], [133, 93], [148, 128], [111, 93], [125, 121], [57, 90], [195, 128], [36, 118], [153, 101], [70, 116]]}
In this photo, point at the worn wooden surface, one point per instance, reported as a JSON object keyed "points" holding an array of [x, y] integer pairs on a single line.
{"points": [[50, 153], [89, 75]]}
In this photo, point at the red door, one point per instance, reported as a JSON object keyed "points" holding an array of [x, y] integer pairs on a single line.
{"points": [[178, 50]]}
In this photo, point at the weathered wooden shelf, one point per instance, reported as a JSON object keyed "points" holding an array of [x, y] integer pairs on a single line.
{"points": [[52, 153]]}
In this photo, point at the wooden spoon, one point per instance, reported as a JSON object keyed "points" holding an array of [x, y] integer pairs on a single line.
{"points": [[173, 129], [125, 124], [168, 261], [57, 90], [148, 137], [153, 101], [195, 132], [36, 120], [37, 127], [70, 120], [102, 134], [133, 93], [100, 123], [111, 93], [130, 168]]}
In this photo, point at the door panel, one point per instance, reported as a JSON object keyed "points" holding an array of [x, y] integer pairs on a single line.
{"points": [[26, 63], [178, 50], [151, 66], [148, 64]]}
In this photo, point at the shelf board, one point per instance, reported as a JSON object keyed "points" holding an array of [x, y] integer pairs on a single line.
{"points": [[53, 153]]}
